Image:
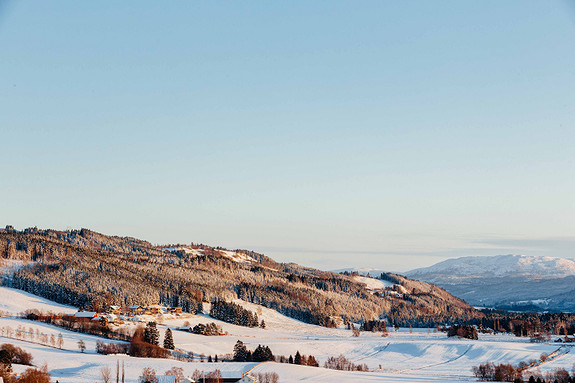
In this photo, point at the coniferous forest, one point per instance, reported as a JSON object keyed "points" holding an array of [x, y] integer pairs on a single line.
{"points": [[91, 270]]}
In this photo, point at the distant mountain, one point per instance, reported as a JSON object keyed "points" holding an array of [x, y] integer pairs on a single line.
{"points": [[513, 282], [93, 270]]}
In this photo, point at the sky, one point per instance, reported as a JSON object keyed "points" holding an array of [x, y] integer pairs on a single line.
{"points": [[380, 134]]}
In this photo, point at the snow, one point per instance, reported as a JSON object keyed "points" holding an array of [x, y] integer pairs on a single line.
{"points": [[500, 266], [534, 301], [373, 284], [504, 280], [15, 302], [234, 256], [185, 249], [419, 355], [238, 257], [10, 266]]}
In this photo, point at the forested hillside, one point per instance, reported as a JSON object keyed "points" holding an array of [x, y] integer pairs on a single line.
{"points": [[88, 269]]}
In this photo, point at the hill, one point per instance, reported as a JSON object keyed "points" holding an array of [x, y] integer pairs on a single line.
{"points": [[516, 282], [88, 269]]}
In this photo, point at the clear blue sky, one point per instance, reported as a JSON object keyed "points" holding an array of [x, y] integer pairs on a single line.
{"points": [[389, 134]]}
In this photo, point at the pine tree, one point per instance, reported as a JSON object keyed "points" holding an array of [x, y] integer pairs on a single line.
{"points": [[241, 353], [290, 360], [168, 340], [151, 334], [263, 324], [268, 355], [258, 354], [297, 359]]}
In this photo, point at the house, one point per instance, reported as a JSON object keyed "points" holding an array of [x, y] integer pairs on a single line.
{"points": [[153, 310], [247, 379], [113, 318], [114, 310], [162, 379], [85, 316], [175, 310], [166, 379], [136, 310], [100, 319]]}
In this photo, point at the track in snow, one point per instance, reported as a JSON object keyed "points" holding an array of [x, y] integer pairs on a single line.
{"points": [[377, 351], [435, 364]]}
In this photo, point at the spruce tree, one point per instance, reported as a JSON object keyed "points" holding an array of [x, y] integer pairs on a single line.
{"points": [[297, 359], [168, 340], [241, 353], [258, 354], [268, 355], [151, 334]]}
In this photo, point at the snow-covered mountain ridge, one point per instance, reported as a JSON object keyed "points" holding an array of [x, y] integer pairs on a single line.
{"points": [[513, 282], [529, 266]]}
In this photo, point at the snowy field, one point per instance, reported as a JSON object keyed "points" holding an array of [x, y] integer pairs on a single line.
{"points": [[421, 355]]}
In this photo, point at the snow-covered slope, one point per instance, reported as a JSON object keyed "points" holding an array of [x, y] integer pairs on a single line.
{"points": [[233, 255], [406, 356], [373, 284], [16, 302], [517, 282]]}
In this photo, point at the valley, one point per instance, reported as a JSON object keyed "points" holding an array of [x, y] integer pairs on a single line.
{"points": [[416, 355]]}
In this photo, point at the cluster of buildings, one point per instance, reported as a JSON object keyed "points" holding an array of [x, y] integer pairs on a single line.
{"points": [[118, 314], [143, 310]]}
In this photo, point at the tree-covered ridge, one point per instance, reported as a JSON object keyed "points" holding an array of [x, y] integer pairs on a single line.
{"points": [[88, 269], [426, 304]]}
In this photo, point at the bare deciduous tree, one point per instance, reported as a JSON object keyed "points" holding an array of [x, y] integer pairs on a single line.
{"points": [[106, 374], [178, 372], [148, 375]]}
